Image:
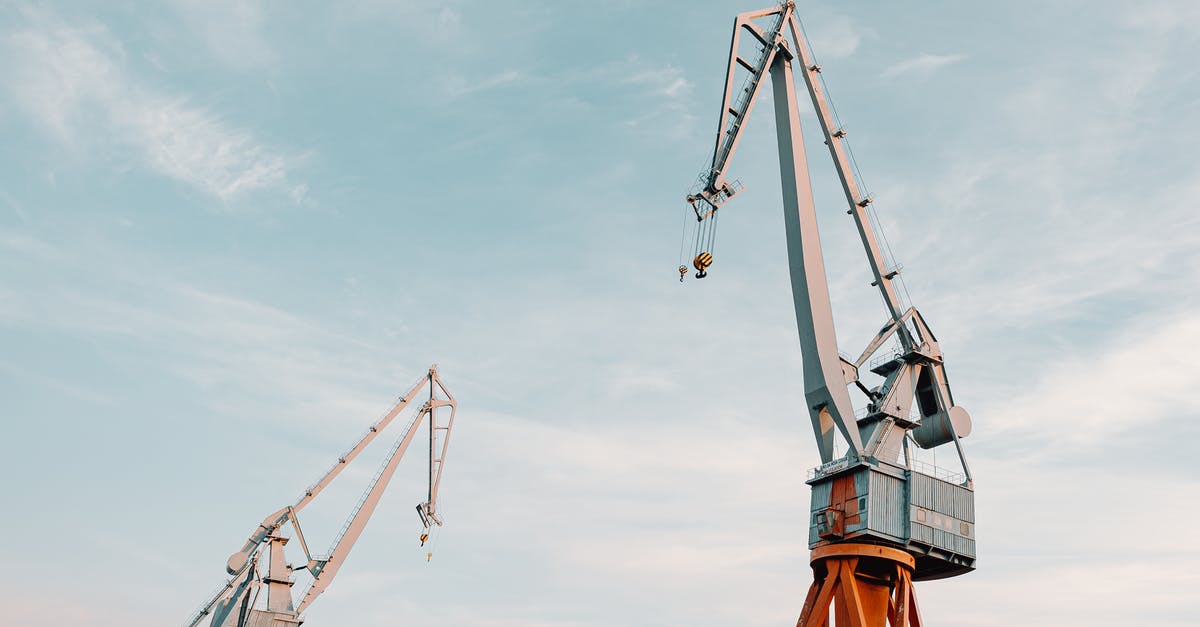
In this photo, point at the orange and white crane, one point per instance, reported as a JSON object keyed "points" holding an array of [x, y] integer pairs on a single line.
{"points": [[879, 518], [260, 563]]}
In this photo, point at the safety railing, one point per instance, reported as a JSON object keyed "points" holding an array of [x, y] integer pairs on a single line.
{"points": [[937, 472], [206, 608]]}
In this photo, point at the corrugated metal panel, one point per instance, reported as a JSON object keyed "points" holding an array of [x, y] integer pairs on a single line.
{"points": [[965, 546], [919, 508], [940, 496], [941, 538], [820, 496], [921, 533], [862, 485], [862, 482], [887, 508], [820, 500]]}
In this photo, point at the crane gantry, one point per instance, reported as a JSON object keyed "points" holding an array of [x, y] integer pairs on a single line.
{"points": [[879, 518], [235, 604]]}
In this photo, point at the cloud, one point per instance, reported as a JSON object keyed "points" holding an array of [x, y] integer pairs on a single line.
{"points": [[221, 342], [922, 65], [449, 21], [667, 81], [1162, 17], [213, 340], [665, 92], [1137, 381], [231, 29], [73, 82], [834, 37], [456, 86]]}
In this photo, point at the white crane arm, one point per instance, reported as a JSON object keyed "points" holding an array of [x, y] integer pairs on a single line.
{"points": [[226, 590], [364, 441], [277, 519], [835, 139], [736, 107], [437, 452], [324, 570], [828, 401]]}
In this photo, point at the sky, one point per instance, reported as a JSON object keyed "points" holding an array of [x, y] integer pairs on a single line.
{"points": [[232, 233]]}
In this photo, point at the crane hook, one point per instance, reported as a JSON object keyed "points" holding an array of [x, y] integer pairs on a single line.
{"points": [[682, 273], [701, 263]]}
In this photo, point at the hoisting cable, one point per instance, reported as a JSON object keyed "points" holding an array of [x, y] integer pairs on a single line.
{"points": [[683, 232], [712, 234], [705, 233], [864, 189], [430, 536]]}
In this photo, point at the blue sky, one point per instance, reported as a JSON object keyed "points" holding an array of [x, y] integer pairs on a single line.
{"points": [[232, 232]]}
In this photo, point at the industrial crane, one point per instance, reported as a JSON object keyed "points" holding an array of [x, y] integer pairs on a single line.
{"points": [[880, 518], [260, 562]]}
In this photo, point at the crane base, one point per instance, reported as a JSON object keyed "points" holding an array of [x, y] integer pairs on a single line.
{"points": [[869, 586]]}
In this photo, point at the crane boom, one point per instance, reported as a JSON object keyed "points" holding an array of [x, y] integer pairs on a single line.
{"points": [[323, 570], [735, 109], [278, 518]]}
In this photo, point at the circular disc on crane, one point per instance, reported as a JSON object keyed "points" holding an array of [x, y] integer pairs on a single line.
{"points": [[960, 420], [940, 428]]}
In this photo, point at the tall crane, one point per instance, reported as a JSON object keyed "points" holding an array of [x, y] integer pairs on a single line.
{"points": [[880, 518], [260, 563]]}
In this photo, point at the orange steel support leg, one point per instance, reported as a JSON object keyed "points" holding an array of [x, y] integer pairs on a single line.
{"points": [[868, 585]]}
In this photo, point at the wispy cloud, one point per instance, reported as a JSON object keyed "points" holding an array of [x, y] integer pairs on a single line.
{"points": [[1135, 382], [664, 94], [457, 86], [923, 65], [667, 81], [834, 37], [74, 83], [232, 30]]}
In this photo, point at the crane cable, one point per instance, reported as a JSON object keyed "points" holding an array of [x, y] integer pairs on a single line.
{"points": [[683, 232], [430, 543], [872, 216]]}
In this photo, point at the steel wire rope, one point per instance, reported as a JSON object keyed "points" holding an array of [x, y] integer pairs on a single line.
{"points": [[683, 232], [437, 534], [712, 233], [865, 190]]}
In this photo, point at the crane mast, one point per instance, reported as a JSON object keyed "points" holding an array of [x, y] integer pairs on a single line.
{"points": [[875, 507], [235, 604]]}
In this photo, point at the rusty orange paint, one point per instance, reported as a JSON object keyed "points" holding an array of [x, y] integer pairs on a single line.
{"points": [[843, 498], [868, 585]]}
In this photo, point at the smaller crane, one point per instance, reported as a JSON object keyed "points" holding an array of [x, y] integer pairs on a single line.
{"points": [[234, 604]]}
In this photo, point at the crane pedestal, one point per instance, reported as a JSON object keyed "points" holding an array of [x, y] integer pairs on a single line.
{"points": [[869, 586]]}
